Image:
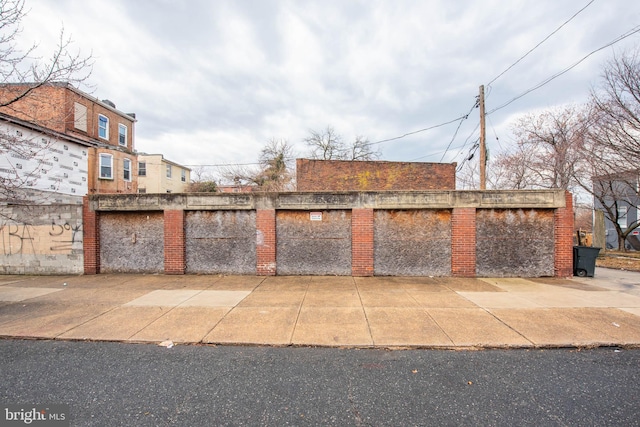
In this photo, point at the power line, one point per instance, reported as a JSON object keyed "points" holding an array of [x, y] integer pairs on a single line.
{"points": [[495, 133], [538, 45], [419, 130], [435, 154], [629, 33], [475, 105]]}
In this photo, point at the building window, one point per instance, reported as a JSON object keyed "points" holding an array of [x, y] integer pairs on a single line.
{"points": [[622, 217], [122, 134], [106, 166], [103, 126], [142, 190], [142, 168], [126, 168], [183, 175], [168, 171], [80, 117]]}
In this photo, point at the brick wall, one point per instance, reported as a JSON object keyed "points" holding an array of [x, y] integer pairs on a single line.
{"points": [[132, 235], [45, 106], [266, 242], [362, 242], [463, 242], [52, 106], [91, 241], [117, 184], [174, 249], [338, 175], [563, 238]]}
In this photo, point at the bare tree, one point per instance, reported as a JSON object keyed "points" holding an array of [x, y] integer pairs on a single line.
{"points": [[511, 170], [616, 105], [202, 181], [21, 75], [614, 145], [275, 161], [361, 149], [24, 68], [329, 145], [550, 147], [614, 186], [273, 171], [326, 144]]}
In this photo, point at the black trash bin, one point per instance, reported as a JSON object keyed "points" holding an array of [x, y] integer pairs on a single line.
{"points": [[584, 260]]}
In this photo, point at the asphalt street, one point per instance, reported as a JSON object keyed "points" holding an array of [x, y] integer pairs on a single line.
{"points": [[142, 384]]}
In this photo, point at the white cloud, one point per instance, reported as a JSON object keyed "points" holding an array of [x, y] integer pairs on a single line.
{"points": [[211, 82]]}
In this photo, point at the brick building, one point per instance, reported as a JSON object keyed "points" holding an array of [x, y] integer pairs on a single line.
{"points": [[344, 175], [57, 144], [109, 132]]}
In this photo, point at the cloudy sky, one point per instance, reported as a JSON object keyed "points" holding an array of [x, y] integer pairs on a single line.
{"points": [[211, 81]]}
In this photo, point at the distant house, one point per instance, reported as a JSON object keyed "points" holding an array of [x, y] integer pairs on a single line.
{"points": [[617, 195], [237, 188], [107, 132], [159, 175]]}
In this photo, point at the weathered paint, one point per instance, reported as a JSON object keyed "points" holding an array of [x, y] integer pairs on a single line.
{"points": [[515, 242], [313, 247], [221, 242], [412, 243], [132, 242]]}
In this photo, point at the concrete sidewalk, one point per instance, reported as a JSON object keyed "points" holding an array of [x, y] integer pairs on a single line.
{"points": [[326, 311]]}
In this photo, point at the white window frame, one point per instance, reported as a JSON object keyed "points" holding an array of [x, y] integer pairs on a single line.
{"points": [[105, 128], [142, 168], [183, 175], [169, 171], [126, 168], [122, 132], [109, 158]]}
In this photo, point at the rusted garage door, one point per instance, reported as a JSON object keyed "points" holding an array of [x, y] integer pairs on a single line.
{"points": [[221, 242], [313, 243], [412, 243], [131, 242]]}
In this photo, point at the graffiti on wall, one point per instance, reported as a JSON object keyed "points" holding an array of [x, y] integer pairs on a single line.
{"points": [[65, 236], [61, 237]]}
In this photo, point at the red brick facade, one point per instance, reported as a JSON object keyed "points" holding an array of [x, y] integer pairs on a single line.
{"points": [[90, 239], [58, 106], [266, 242], [339, 175], [174, 249], [563, 231], [463, 242], [464, 249], [362, 242]]}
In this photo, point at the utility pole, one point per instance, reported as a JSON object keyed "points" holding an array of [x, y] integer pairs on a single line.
{"points": [[483, 144]]}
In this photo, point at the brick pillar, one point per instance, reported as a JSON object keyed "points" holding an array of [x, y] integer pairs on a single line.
{"points": [[90, 238], [266, 242], [362, 242], [174, 248], [563, 238], [463, 242]]}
